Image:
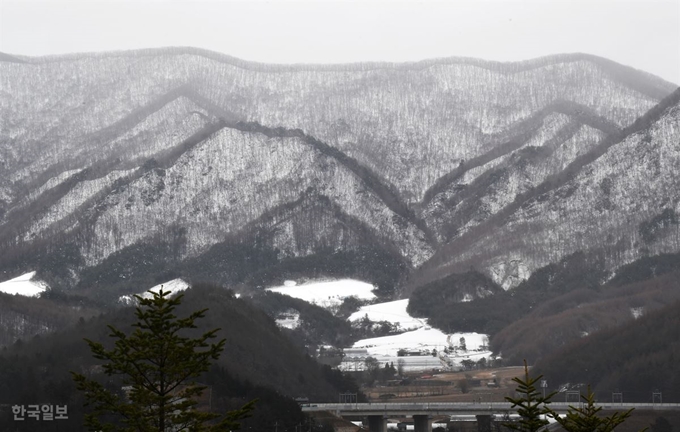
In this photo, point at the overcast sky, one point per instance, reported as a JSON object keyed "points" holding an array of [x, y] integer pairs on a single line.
{"points": [[644, 34]]}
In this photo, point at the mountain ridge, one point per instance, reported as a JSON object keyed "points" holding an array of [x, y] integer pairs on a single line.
{"points": [[418, 152], [564, 176], [367, 65]]}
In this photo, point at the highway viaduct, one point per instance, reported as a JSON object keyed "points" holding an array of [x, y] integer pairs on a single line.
{"points": [[422, 413]]}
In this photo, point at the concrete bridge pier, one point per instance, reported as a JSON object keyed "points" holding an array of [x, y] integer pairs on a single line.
{"points": [[483, 422], [377, 423], [422, 423]]}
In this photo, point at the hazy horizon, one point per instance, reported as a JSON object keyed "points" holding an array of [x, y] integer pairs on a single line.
{"points": [[642, 34]]}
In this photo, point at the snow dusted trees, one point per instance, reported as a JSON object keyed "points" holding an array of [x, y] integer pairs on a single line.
{"points": [[158, 364]]}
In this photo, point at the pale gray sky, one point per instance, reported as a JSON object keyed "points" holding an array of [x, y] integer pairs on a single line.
{"points": [[644, 34]]}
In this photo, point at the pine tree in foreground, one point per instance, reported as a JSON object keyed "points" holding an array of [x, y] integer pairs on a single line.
{"points": [[532, 404], [534, 410], [158, 365]]}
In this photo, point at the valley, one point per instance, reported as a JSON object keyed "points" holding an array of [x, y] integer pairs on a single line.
{"points": [[398, 231]]}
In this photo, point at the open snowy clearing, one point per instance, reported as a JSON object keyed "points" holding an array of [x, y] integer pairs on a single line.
{"points": [[174, 286], [24, 285], [419, 346], [422, 339], [327, 293], [418, 339], [393, 312]]}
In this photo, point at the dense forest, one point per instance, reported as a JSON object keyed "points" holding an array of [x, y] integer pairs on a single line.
{"points": [[418, 160], [259, 362], [491, 308], [638, 359]]}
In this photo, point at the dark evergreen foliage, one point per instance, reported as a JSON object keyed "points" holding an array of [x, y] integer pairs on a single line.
{"points": [[258, 356], [159, 365], [532, 406]]}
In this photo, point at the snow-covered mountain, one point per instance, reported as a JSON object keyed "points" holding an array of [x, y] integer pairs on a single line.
{"points": [[619, 202], [444, 163]]}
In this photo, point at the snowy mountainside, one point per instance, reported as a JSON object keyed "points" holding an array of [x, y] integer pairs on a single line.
{"points": [[484, 191], [619, 205], [412, 116], [107, 151], [211, 190]]}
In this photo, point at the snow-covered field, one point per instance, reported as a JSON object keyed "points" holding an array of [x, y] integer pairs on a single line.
{"points": [[422, 339], [24, 285], [393, 312], [327, 293], [417, 336], [174, 286]]}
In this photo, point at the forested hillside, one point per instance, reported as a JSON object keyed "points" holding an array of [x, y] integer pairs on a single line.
{"points": [[637, 359], [258, 362], [116, 152], [617, 202]]}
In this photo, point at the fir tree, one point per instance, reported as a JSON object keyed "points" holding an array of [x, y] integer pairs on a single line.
{"points": [[534, 410], [158, 365], [532, 404]]}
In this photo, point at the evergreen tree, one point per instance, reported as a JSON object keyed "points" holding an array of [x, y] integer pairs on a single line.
{"points": [[533, 410], [532, 404], [158, 365]]}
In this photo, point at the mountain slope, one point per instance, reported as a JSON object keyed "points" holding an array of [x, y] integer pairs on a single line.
{"points": [[258, 361], [637, 359], [600, 202], [586, 310], [107, 151]]}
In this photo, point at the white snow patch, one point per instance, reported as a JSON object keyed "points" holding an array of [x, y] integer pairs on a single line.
{"points": [[393, 312], [24, 285], [174, 286], [637, 312], [421, 340], [327, 293], [424, 338]]}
